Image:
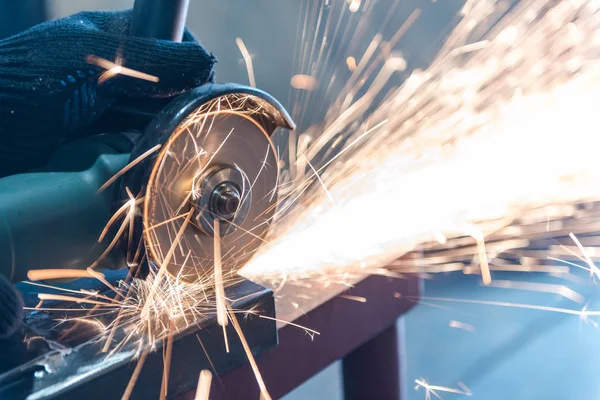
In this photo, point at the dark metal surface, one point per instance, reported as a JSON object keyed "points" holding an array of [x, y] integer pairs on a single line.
{"points": [[159, 19], [372, 371], [51, 367], [344, 326]]}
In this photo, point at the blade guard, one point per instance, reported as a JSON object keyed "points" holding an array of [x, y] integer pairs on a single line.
{"points": [[167, 120], [272, 115]]}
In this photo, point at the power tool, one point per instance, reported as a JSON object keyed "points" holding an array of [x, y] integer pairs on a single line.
{"points": [[214, 157], [203, 160]]}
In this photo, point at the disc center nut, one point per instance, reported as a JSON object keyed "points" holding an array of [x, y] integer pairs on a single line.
{"points": [[223, 198], [226, 200]]}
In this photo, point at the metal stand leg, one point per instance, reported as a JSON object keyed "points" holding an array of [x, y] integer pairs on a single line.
{"points": [[372, 371]]}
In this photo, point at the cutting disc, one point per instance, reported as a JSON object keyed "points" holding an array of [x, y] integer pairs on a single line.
{"points": [[218, 165]]}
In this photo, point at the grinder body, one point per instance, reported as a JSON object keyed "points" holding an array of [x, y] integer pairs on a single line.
{"points": [[52, 218]]}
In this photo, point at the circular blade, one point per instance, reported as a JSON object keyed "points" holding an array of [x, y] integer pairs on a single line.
{"points": [[177, 220]]}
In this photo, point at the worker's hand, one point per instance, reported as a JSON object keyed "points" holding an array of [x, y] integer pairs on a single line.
{"points": [[49, 84]]}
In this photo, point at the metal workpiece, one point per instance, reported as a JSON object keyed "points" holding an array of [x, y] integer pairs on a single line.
{"points": [[346, 329], [54, 359]]}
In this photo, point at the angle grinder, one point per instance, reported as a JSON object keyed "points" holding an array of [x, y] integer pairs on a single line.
{"points": [[213, 165]]}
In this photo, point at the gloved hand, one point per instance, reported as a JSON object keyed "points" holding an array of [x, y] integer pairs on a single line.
{"points": [[50, 93]]}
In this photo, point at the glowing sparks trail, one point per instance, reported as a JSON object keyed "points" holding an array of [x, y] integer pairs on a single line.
{"points": [[219, 288], [354, 5], [304, 82], [501, 110], [461, 325], [351, 62], [583, 313], [135, 375], [433, 389], [115, 68], [45, 274], [247, 60], [167, 356], [204, 383], [128, 167], [264, 394], [560, 290]]}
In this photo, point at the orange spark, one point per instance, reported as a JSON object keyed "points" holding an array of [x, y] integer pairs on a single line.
{"points": [[304, 82], [204, 382], [46, 274], [351, 62], [113, 69], [247, 60], [461, 325]]}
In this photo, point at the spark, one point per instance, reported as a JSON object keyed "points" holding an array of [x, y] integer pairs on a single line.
{"points": [[444, 146], [93, 322], [127, 222], [48, 274], [486, 276], [358, 299], [113, 69], [560, 290], [130, 165], [204, 382], [261, 384], [102, 279], [593, 269], [129, 205], [440, 237], [316, 174], [548, 269], [205, 353], [354, 5], [433, 389], [134, 377], [161, 272], [583, 313], [219, 288], [247, 60], [311, 332], [567, 262], [61, 297], [80, 291], [304, 82], [351, 62], [164, 389], [461, 325]]}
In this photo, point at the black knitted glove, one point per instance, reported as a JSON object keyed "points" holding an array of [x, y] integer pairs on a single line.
{"points": [[50, 92]]}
